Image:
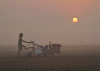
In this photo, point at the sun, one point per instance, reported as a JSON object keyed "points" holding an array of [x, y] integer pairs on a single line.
{"points": [[75, 19]]}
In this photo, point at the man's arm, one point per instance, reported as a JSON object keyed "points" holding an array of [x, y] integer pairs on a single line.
{"points": [[25, 41]]}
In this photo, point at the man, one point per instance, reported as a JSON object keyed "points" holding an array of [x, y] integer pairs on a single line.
{"points": [[49, 44], [20, 43]]}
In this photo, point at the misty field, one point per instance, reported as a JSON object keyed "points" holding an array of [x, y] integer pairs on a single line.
{"points": [[62, 63], [68, 60]]}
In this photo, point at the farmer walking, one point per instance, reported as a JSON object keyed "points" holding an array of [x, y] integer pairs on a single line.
{"points": [[20, 45]]}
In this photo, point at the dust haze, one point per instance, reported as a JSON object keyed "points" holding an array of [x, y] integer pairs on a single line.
{"points": [[12, 51], [50, 20]]}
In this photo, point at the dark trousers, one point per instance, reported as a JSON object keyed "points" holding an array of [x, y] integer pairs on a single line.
{"points": [[20, 49]]}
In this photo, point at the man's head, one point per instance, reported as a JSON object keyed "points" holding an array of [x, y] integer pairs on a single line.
{"points": [[21, 35]]}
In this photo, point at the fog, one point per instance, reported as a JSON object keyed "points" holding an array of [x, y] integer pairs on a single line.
{"points": [[12, 51], [50, 20]]}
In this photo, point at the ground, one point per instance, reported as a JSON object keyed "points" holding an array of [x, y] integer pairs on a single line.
{"points": [[58, 63], [70, 59]]}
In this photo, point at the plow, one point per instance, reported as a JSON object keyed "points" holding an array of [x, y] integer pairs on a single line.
{"points": [[46, 51]]}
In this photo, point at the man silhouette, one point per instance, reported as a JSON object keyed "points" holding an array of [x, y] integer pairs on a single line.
{"points": [[20, 43], [49, 44]]}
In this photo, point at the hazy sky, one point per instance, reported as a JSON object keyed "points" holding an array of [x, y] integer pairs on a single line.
{"points": [[44, 20]]}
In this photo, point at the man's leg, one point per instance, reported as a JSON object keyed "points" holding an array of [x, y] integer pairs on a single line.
{"points": [[18, 52]]}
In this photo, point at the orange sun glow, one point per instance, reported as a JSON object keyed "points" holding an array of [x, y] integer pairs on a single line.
{"points": [[75, 20]]}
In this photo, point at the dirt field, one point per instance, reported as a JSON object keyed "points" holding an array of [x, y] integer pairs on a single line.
{"points": [[62, 63], [66, 61]]}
